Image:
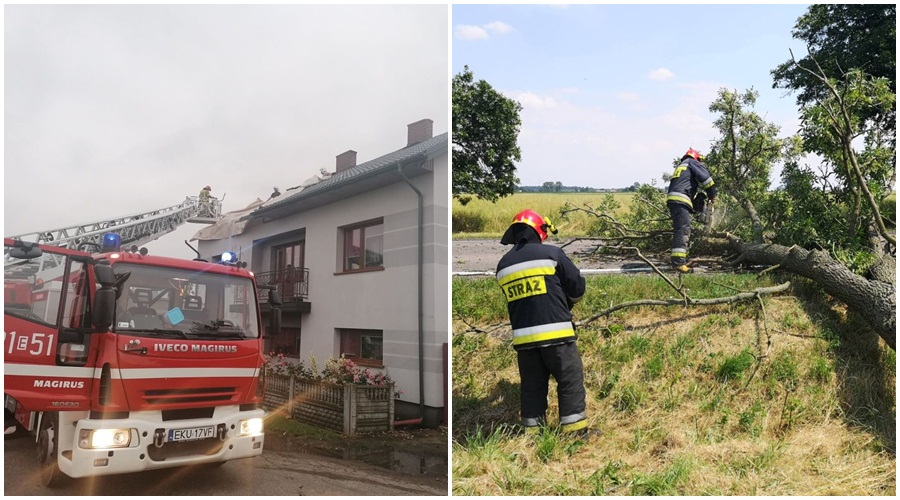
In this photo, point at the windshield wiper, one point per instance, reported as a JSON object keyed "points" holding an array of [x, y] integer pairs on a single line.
{"points": [[161, 331]]}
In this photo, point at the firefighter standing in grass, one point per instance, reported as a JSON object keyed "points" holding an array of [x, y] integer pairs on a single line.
{"points": [[541, 285], [690, 186]]}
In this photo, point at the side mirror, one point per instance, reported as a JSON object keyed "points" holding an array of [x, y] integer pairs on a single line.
{"points": [[104, 274], [104, 307], [274, 297], [275, 321]]}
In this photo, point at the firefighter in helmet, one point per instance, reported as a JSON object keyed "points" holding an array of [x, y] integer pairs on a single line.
{"points": [[541, 285], [205, 209], [690, 188]]}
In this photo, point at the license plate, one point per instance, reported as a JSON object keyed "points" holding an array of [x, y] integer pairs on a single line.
{"points": [[191, 433]]}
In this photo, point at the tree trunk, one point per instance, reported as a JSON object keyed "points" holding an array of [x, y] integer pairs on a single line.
{"points": [[875, 301], [755, 221]]}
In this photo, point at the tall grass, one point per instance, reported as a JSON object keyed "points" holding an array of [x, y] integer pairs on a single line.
{"points": [[793, 398], [483, 219]]}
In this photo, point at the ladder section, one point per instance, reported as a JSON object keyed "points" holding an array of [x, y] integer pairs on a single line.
{"points": [[136, 229]]}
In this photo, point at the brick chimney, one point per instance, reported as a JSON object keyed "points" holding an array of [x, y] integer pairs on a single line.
{"points": [[346, 160], [419, 131]]}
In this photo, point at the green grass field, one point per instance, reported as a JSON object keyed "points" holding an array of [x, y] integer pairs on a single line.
{"points": [[482, 219], [787, 395]]}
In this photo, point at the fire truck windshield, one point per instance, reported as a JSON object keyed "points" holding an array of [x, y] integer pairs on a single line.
{"points": [[166, 302]]}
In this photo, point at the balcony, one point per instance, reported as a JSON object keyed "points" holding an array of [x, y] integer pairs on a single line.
{"points": [[292, 284]]}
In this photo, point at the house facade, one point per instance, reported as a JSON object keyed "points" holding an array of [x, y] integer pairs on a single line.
{"points": [[360, 257]]}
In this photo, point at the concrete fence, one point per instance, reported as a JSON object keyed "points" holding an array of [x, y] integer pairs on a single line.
{"points": [[348, 408]]}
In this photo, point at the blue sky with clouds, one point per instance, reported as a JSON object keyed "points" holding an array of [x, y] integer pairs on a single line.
{"points": [[611, 94]]}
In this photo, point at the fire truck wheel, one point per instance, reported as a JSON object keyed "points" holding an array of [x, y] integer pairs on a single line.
{"points": [[47, 450]]}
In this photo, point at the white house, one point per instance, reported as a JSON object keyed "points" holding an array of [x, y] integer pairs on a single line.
{"points": [[360, 256]]}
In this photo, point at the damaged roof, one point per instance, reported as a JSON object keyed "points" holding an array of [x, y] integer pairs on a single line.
{"points": [[357, 179]]}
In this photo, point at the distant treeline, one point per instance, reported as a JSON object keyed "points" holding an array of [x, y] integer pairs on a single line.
{"points": [[558, 187]]}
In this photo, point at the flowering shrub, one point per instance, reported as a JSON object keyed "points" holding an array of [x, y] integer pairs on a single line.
{"points": [[279, 365], [337, 371], [343, 370]]}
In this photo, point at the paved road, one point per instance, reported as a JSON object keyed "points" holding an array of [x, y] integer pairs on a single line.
{"points": [[474, 256], [273, 473]]}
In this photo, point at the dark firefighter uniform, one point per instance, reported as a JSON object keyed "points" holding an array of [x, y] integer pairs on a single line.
{"points": [[541, 285], [689, 177]]}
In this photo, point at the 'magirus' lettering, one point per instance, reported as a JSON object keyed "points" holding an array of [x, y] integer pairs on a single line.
{"points": [[59, 384]]}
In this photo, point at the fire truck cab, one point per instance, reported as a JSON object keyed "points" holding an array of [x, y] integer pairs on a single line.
{"points": [[121, 362]]}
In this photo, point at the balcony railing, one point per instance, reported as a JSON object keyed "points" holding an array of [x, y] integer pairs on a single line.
{"points": [[292, 284]]}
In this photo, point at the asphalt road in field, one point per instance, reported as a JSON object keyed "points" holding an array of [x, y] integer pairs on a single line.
{"points": [[471, 257], [278, 471]]}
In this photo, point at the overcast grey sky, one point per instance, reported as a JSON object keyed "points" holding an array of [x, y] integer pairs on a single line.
{"points": [[116, 109]]}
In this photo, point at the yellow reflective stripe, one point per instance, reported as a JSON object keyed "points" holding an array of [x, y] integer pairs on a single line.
{"points": [[681, 168], [708, 183], [681, 198], [574, 427], [542, 333], [540, 267]]}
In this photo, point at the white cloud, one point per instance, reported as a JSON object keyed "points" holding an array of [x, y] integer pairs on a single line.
{"points": [[661, 74], [469, 32], [499, 27], [629, 97], [530, 100]]}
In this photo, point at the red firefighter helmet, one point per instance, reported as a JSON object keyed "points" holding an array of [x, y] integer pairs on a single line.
{"points": [[531, 218], [693, 153], [208, 188]]}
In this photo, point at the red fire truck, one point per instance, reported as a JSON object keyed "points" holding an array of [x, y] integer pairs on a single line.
{"points": [[120, 361]]}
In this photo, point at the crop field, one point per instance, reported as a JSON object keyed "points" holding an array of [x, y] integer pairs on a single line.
{"points": [[482, 219]]}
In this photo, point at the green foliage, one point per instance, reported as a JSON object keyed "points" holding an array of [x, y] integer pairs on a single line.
{"points": [[733, 366], [665, 482], [546, 444], [465, 221], [276, 422], [485, 132], [749, 419], [784, 369], [809, 212], [743, 156], [629, 398], [840, 37]]}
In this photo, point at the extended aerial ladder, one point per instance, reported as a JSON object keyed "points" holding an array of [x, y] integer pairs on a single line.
{"points": [[134, 230]]}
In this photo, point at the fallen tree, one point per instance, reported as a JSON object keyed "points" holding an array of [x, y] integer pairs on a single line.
{"points": [[873, 299]]}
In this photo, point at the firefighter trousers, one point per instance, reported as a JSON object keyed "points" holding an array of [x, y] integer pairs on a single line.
{"points": [[563, 362], [681, 231]]}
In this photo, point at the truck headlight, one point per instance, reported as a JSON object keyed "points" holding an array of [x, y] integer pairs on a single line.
{"points": [[104, 438], [251, 427]]}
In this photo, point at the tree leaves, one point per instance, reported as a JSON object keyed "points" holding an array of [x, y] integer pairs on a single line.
{"points": [[485, 132]]}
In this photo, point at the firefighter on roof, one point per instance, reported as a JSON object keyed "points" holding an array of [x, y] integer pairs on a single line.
{"points": [[541, 285], [691, 184]]}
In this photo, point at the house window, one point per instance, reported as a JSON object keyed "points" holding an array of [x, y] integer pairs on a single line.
{"points": [[364, 347], [364, 246], [286, 342]]}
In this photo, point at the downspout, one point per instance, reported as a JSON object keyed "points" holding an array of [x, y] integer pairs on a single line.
{"points": [[421, 317]]}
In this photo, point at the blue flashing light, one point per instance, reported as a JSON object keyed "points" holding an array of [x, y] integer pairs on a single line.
{"points": [[111, 241], [228, 257]]}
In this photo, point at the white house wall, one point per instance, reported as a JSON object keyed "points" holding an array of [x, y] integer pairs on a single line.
{"points": [[382, 300]]}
